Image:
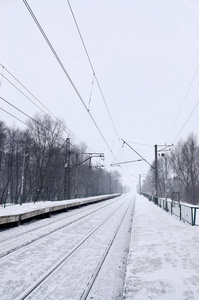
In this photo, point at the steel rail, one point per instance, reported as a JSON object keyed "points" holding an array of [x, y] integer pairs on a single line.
{"points": [[101, 262], [65, 257], [27, 242]]}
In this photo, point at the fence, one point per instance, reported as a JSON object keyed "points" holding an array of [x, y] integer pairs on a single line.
{"points": [[184, 211]]}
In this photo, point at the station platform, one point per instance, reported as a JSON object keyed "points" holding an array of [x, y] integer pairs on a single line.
{"points": [[163, 260], [16, 214]]}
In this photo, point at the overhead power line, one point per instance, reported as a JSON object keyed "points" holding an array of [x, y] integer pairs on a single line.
{"points": [[35, 121], [185, 97], [68, 131], [192, 112], [22, 112], [14, 116], [29, 125], [92, 67], [137, 153], [65, 72], [96, 79]]}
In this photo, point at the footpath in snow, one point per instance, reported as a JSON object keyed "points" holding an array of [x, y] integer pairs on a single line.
{"points": [[163, 260]]}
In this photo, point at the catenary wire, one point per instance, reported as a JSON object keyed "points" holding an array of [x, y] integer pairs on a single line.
{"points": [[65, 72], [97, 81], [14, 117], [147, 145], [193, 110], [6, 101], [68, 131], [92, 67], [27, 124], [185, 97]]}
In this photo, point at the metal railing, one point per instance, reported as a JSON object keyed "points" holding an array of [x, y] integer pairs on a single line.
{"points": [[186, 212]]}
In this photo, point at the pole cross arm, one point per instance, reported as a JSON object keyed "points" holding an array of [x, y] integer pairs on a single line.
{"points": [[137, 153]]}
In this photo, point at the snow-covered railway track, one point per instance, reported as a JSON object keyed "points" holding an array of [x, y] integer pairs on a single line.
{"points": [[91, 283], [39, 288], [14, 243], [64, 262]]}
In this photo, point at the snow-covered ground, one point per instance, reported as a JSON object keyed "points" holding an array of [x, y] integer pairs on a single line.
{"points": [[28, 207], [163, 262], [35, 252]]}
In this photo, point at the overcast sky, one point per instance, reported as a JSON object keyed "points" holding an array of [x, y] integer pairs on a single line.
{"points": [[144, 53]]}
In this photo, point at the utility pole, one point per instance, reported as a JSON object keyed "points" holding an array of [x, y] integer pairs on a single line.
{"points": [[165, 148], [22, 177], [140, 183], [67, 170], [156, 170]]}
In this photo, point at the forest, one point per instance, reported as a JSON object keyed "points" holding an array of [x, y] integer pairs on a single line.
{"points": [[181, 164], [37, 163]]}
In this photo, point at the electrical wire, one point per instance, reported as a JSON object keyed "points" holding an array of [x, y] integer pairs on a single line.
{"points": [[91, 92], [92, 67], [6, 101], [124, 142], [185, 97], [194, 109], [140, 144], [97, 81], [32, 128], [65, 72], [68, 131], [14, 116]]}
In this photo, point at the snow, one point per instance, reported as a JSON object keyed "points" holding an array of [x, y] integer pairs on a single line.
{"points": [[21, 269], [163, 262], [29, 207]]}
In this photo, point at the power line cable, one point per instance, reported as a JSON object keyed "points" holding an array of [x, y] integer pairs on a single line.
{"points": [[26, 115], [124, 142], [23, 93], [92, 67], [29, 125], [97, 81], [64, 70], [194, 109], [185, 97], [22, 112], [140, 144], [68, 131], [14, 116], [91, 92]]}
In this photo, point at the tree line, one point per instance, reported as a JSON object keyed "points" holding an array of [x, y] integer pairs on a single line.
{"points": [[33, 165], [181, 164]]}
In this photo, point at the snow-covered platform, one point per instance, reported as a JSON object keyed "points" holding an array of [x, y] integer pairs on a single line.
{"points": [[163, 260], [16, 214]]}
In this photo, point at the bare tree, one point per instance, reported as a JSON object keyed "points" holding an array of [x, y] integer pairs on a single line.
{"points": [[185, 164]]}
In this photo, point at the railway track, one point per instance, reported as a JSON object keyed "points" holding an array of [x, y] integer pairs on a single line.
{"points": [[14, 243], [78, 253], [58, 270]]}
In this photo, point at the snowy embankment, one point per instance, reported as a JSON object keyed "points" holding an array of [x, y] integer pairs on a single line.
{"points": [[163, 260]]}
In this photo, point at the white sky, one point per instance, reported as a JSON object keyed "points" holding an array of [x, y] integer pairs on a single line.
{"points": [[144, 53]]}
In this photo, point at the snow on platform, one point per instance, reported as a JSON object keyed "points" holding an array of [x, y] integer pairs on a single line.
{"points": [[17, 213], [163, 260]]}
